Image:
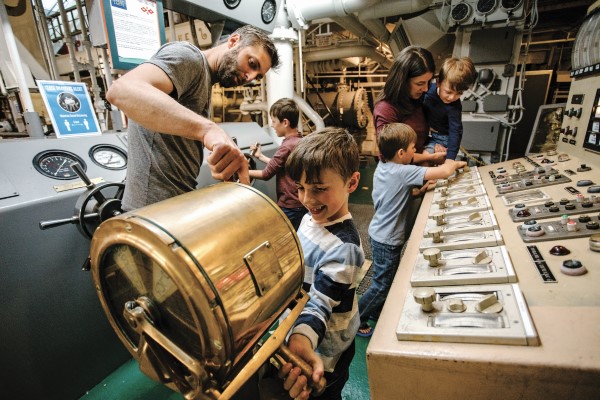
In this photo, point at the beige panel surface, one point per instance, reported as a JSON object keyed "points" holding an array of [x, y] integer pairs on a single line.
{"points": [[566, 315]]}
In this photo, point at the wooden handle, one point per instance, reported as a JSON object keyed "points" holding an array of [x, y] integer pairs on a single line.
{"points": [[286, 354]]}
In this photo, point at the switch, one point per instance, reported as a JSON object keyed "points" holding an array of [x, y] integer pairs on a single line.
{"points": [[489, 304]]}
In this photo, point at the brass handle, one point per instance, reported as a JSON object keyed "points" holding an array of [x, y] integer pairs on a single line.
{"points": [[286, 355]]}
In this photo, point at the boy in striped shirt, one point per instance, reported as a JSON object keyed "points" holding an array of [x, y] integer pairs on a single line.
{"points": [[324, 166]]}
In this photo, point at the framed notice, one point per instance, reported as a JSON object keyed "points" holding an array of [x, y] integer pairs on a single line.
{"points": [[135, 30], [70, 108]]}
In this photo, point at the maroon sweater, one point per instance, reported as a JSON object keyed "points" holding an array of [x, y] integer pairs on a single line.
{"points": [[387, 113], [287, 194]]}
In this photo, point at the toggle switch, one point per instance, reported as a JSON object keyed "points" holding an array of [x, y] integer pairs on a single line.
{"points": [[456, 306], [425, 297], [442, 204], [432, 255], [489, 304], [482, 258]]}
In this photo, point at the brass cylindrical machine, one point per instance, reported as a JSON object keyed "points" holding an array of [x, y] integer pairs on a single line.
{"points": [[191, 284]]}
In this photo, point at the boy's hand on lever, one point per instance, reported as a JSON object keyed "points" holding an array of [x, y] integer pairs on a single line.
{"points": [[294, 382]]}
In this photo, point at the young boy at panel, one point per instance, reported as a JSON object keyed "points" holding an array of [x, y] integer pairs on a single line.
{"points": [[392, 182], [324, 166], [285, 115], [443, 108]]}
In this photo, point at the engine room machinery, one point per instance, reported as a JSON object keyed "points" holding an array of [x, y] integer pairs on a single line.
{"points": [[56, 342], [192, 283]]}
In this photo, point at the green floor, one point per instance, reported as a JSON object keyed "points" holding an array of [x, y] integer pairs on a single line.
{"points": [[129, 383]]}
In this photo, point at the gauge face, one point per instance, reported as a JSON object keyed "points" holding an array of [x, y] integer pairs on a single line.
{"points": [[57, 164], [268, 10], [231, 3], [109, 156], [461, 12], [485, 6], [510, 4]]}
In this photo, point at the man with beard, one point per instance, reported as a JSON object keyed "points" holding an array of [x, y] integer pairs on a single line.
{"points": [[167, 101]]}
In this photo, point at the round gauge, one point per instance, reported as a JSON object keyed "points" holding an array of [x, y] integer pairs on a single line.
{"points": [[108, 156], [485, 7], [460, 12], [231, 3], [57, 164], [509, 5], [268, 11]]}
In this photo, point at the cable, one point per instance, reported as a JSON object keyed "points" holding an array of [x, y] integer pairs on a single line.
{"points": [[472, 157]]}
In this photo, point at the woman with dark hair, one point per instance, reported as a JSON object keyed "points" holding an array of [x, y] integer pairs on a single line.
{"points": [[402, 97]]}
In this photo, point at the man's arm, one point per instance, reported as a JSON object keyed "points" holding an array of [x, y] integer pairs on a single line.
{"points": [[143, 95]]}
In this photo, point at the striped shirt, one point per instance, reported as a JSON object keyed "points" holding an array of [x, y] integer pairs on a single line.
{"points": [[333, 257]]}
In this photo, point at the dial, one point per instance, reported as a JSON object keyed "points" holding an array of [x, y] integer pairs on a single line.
{"points": [[485, 7], [268, 11], [231, 3], [509, 5], [108, 156], [56, 164], [460, 12]]}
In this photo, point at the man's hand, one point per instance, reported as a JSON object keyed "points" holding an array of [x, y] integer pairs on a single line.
{"points": [[438, 148], [226, 158], [438, 158]]}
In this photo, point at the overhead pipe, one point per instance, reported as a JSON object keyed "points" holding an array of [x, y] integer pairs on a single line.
{"points": [[301, 12], [350, 23], [386, 8], [333, 53]]}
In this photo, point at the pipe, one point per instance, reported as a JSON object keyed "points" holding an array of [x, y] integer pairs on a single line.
{"points": [[393, 8], [333, 53], [115, 113], [91, 67], [350, 23], [309, 112], [69, 40], [172, 34], [47, 43], [32, 119], [301, 12]]}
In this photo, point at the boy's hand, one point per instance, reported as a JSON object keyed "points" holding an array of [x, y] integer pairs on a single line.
{"points": [[255, 150], [438, 157], [438, 148], [294, 382]]}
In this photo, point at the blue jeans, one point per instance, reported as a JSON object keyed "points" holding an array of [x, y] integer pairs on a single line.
{"points": [[385, 264], [295, 215], [436, 138]]}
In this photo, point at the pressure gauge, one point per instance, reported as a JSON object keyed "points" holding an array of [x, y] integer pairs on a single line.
{"points": [[231, 4], [108, 156], [268, 11], [56, 164], [485, 7], [460, 12], [510, 5]]}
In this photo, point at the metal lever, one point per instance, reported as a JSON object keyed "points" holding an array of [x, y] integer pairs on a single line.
{"points": [[285, 355]]}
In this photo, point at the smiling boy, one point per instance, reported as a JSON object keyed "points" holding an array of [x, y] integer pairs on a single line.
{"points": [[324, 166]]}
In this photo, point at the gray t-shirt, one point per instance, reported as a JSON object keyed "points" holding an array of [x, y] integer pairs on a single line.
{"points": [[391, 195], [162, 166]]}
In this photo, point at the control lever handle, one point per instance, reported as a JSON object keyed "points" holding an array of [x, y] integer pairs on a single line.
{"points": [[285, 355], [59, 222]]}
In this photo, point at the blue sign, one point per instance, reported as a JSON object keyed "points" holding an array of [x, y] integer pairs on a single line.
{"points": [[70, 108]]}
